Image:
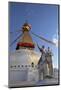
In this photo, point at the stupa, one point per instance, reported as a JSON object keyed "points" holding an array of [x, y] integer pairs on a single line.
{"points": [[23, 63]]}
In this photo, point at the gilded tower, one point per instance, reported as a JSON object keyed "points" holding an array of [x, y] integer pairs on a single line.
{"points": [[26, 40]]}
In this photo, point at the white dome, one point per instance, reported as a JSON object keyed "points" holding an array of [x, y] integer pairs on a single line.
{"points": [[24, 57]]}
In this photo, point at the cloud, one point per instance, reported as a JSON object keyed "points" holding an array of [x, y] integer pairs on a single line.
{"points": [[55, 39]]}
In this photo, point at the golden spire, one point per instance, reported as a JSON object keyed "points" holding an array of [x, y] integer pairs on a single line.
{"points": [[26, 40]]}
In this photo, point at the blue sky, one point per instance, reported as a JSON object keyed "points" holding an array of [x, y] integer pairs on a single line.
{"points": [[43, 19]]}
